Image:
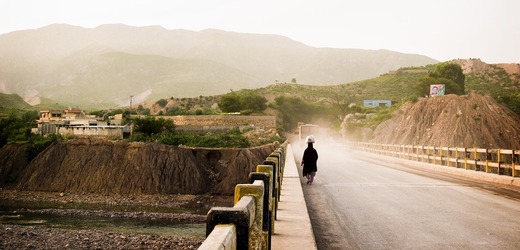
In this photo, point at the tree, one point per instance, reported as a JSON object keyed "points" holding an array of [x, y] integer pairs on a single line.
{"points": [[162, 103], [246, 100], [253, 101], [229, 102], [448, 73], [150, 126], [423, 87], [511, 100], [293, 110]]}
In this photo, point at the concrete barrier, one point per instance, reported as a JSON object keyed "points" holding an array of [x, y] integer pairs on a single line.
{"points": [[249, 224]]}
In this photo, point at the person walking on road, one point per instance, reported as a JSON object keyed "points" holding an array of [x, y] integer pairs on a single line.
{"points": [[309, 161]]}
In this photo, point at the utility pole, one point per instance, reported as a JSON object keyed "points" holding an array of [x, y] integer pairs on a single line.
{"points": [[131, 101]]}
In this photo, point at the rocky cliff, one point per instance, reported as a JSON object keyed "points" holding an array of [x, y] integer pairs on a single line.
{"points": [[107, 167]]}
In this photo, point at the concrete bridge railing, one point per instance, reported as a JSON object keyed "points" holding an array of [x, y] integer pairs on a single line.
{"points": [[498, 161], [249, 224]]}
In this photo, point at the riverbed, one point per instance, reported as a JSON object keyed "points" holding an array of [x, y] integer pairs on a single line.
{"points": [[43, 220]]}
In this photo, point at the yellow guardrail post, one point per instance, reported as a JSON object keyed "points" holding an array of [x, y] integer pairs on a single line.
{"points": [[269, 170], [276, 179], [282, 164], [267, 209], [440, 155], [498, 161], [456, 157], [466, 158], [513, 164], [279, 169], [255, 190], [487, 161], [428, 153], [436, 155], [250, 222], [476, 158]]}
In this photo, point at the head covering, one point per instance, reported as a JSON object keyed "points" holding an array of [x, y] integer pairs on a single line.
{"points": [[310, 139]]}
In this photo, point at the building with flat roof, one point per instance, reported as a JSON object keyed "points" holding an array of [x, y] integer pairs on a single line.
{"points": [[377, 103], [74, 122]]}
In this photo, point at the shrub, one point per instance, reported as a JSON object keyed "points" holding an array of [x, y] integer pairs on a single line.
{"points": [[150, 126], [162, 103], [246, 100], [38, 144], [230, 139]]}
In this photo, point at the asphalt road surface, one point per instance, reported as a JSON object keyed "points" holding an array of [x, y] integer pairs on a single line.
{"points": [[361, 202]]}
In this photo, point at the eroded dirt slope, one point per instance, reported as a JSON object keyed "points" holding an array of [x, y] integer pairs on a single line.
{"points": [[106, 167], [452, 120]]}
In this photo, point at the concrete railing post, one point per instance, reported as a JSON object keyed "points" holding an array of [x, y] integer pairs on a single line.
{"points": [[222, 236], [249, 224], [279, 163], [267, 212], [272, 199], [239, 215], [272, 162], [255, 190]]}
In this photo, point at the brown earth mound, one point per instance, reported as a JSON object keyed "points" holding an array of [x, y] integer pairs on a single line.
{"points": [[476, 66], [452, 120], [106, 167]]}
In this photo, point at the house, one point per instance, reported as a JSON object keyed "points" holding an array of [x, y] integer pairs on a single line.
{"points": [[74, 122], [377, 103]]}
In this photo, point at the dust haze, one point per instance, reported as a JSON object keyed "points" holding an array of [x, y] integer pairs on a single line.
{"points": [[329, 145]]}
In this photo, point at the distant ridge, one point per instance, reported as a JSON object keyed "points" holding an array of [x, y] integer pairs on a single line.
{"points": [[102, 67]]}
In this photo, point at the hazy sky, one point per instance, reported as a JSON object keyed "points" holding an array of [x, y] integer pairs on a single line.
{"points": [[442, 29]]}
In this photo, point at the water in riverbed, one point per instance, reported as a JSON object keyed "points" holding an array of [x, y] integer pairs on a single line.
{"points": [[19, 213]]}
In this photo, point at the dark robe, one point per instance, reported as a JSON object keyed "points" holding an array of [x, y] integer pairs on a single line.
{"points": [[310, 157]]}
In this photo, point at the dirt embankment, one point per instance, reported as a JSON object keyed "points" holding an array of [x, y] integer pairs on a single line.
{"points": [[451, 120], [106, 167]]}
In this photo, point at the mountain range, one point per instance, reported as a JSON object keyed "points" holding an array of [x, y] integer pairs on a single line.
{"points": [[110, 65]]}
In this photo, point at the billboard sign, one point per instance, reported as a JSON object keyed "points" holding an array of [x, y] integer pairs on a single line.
{"points": [[437, 89]]}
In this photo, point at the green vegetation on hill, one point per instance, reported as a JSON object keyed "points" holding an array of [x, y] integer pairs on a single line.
{"points": [[313, 103], [17, 129], [328, 105], [497, 84], [13, 101], [13, 104], [161, 130], [246, 102]]}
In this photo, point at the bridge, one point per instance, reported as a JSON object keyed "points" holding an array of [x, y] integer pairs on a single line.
{"points": [[423, 198]]}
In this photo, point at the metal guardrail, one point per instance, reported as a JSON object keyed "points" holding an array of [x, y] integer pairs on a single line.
{"points": [[497, 161], [249, 224]]}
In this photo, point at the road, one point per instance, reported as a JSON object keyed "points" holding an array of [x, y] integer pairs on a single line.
{"points": [[359, 202]]}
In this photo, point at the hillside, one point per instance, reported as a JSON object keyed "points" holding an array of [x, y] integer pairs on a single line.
{"points": [[102, 67], [12, 101], [456, 121]]}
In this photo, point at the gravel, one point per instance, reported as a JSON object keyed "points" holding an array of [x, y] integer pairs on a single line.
{"points": [[42, 237], [35, 237]]}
